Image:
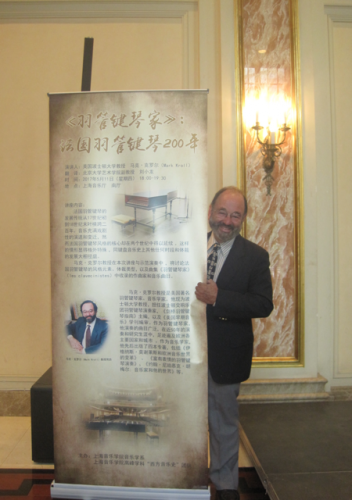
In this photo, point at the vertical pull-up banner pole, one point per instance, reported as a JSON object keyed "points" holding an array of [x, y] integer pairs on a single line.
{"points": [[128, 245], [87, 64]]}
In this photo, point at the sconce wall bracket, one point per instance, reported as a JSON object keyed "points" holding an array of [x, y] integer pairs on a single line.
{"points": [[270, 152]]}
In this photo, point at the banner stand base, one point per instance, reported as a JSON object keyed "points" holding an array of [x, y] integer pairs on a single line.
{"points": [[87, 492]]}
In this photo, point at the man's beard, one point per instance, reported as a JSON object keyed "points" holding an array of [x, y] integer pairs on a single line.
{"points": [[223, 237], [90, 319]]}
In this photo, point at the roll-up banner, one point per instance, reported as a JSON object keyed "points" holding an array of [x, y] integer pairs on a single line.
{"points": [[128, 246]]}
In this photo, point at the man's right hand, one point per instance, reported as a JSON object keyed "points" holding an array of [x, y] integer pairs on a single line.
{"points": [[75, 344]]}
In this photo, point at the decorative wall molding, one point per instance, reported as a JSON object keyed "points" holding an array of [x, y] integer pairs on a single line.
{"points": [[339, 13], [13, 383], [97, 11], [284, 389], [228, 94], [336, 14]]}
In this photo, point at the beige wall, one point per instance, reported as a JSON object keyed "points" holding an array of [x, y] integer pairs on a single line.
{"points": [[179, 43], [37, 58], [325, 65]]}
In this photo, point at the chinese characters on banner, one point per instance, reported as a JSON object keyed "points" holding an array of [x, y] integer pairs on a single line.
{"points": [[128, 242]]}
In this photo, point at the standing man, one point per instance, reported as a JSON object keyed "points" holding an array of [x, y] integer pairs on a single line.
{"points": [[88, 333], [238, 288]]}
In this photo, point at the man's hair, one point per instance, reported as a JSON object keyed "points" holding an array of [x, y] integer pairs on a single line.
{"points": [[234, 189], [89, 302]]}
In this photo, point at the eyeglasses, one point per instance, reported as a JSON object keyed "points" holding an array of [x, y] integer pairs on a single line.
{"points": [[90, 311], [222, 214]]}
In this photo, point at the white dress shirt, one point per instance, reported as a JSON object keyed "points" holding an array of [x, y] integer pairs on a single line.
{"points": [[223, 252]]}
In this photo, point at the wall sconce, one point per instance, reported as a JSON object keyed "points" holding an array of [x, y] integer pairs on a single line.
{"points": [[270, 149], [270, 114]]}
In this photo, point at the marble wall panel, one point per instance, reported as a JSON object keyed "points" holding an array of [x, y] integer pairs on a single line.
{"points": [[271, 219]]}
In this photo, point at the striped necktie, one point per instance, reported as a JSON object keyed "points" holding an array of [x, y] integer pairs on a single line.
{"points": [[212, 260], [88, 333]]}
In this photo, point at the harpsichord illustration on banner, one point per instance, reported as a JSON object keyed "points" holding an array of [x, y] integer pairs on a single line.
{"points": [[137, 411], [158, 209]]}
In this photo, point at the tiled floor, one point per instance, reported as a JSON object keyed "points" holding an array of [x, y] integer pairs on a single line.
{"points": [[15, 444], [16, 450], [303, 449]]}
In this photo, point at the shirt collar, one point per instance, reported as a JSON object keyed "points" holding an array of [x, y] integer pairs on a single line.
{"points": [[223, 246], [92, 324]]}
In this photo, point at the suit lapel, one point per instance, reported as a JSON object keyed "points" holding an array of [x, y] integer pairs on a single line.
{"points": [[232, 264], [81, 330], [96, 332]]}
